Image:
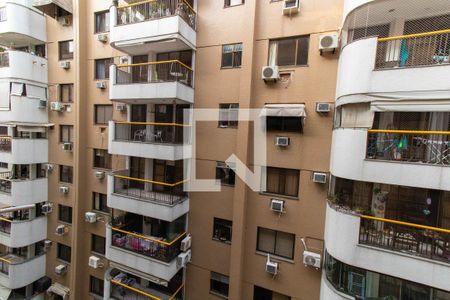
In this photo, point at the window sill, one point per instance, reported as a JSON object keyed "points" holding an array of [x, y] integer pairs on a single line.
{"points": [[279, 196], [102, 256], [234, 5], [102, 169], [104, 213], [221, 241], [218, 295], [225, 127], [227, 185], [63, 261], [65, 223], [230, 68], [276, 257]]}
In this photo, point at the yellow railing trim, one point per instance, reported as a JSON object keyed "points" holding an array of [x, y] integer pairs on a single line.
{"points": [[149, 238], [155, 63], [151, 181], [410, 131], [135, 290], [136, 3], [409, 36], [5, 260], [6, 220], [406, 224], [176, 292], [188, 5], [154, 123]]}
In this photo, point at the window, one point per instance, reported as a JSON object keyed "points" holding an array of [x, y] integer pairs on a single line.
{"points": [[65, 133], [65, 214], [65, 174], [98, 244], [102, 114], [102, 21], [40, 50], [282, 181], [102, 159], [222, 230], [66, 93], [229, 3], [260, 293], [3, 14], [232, 55], [228, 115], [65, 50], [99, 202], [224, 173], [219, 284], [276, 242], [288, 124], [289, 52], [64, 252], [96, 286], [102, 68]]}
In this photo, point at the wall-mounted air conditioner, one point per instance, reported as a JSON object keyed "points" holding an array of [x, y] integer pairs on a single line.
{"points": [[186, 243], [102, 38], [67, 146], [312, 259], [90, 217], [319, 177], [270, 73], [277, 206], [183, 259], [64, 189], [99, 175], [271, 267], [100, 85], [61, 270], [57, 106], [323, 107], [61, 230], [291, 7], [64, 64], [94, 262], [282, 141], [329, 42], [47, 208]]}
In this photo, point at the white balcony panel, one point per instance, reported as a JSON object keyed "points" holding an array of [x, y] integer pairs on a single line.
{"points": [[26, 151], [25, 233], [24, 273], [341, 241], [22, 110], [24, 66], [139, 262], [148, 150], [24, 25], [26, 192], [358, 82], [348, 152]]}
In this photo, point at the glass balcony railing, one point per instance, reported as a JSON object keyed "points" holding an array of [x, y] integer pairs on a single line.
{"points": [[424, 241], [154, 72], [150, 132], [5, 144], [127, 288], [428, 147], [156, 9], [422, 49]]}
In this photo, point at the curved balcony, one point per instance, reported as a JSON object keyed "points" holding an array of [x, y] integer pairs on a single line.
{"points": [[388, 252], [165, 201], [166, 141], [23, 151], [153, 26], [17, 192], [375, 156], [162, 80], [17, 272], [23, 66], [21, 233], [21, 25]]}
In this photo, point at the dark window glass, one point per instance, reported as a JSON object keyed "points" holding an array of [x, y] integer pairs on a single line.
{"points": [[102, 114], [102, 21], [232, 55], [229, 3], [102, 68], [66, 50], [98, 244], [66, 93], [65, 214], [64, 252], [99, 202], [228, 115], [225, 174], [282, 181], [66, 174], [40, 50], [96, 286], [288, 124], [289, 52], [65, 133], [102, 159], [219, 284], [260, 293], [222, 230], [276, 242]]}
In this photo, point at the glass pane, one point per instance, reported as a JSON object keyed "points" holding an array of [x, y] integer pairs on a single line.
{"points": [[302, 51], [227, 60], [286, 52], [266, 240], [285, 244]]}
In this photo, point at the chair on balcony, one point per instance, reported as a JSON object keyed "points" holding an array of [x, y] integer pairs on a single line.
{"points": [[139, 135]]}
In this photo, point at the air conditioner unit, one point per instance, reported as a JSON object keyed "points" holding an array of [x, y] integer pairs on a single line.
{"points": [[47, 208], [64, 21], [282, 141], [102, 38], [323, 107], [277, 205], [121, 107], [60, 230], [183, 259], [57, 106], [312, 259], [67, 146], [64, 65], [90, 217], [329, 42], [99, 175], [319, 177], [271, 267], [42, 104], [124, 60], [186, 243], [101, 85], [94, 262], [64, 189], [47, 244], [291, 7], [61, 270], [49, 167], [270, 73]]}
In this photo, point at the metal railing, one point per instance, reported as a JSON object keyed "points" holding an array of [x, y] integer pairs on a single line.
{"points": [[154, 72], [150, 132], [152, 247], [129, 290], [429, 147], [422, 49], [420, 240], [5, 182], [156, 9], [4, 60], [143, 189], [5, 225], [5, 144]]}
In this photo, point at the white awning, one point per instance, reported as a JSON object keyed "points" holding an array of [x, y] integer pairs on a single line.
{"points": [[64, 4], [27, 126], [283, 110], [4, 293], [60, 290], [411, 106]]}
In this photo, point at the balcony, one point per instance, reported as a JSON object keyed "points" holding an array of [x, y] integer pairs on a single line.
{"points": [[18, 192], [21, 65], [23, 150], [16, 233], [21, 25], [166, 81], [165, 201], [166, 141], [153, 26], [17, 272]]}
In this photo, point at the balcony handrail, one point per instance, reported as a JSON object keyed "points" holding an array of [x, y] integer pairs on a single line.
{"points": [[154, 123], [149, 238], [149, 1], [144, 293], [6, 220], [409, 36], [152, 181], [155, 63], [406, 224], [409, 131]]}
